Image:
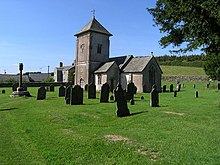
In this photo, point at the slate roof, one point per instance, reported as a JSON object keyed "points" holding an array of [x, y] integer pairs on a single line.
{"points": [[121, 61], [7, 77], [93, 26], [137, 64], [104, 68], [65, 68], [38, 77]]}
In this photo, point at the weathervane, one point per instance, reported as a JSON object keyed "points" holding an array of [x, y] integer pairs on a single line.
{"points": [[93, 12]]}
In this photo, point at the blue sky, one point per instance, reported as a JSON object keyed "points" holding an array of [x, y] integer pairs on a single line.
{"points": [[40, 33]]}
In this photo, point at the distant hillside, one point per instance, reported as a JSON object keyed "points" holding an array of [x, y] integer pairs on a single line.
{"points": [[182, 71]]}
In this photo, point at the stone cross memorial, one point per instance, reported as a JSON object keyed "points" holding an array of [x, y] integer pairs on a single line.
{"points": [[122, 107]]}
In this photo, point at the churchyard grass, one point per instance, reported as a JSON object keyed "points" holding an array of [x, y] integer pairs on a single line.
{"points": [[183, 130]]}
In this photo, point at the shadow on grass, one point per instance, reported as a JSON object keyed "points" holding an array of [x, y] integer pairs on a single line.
{"points": [[7, 109], [137, 113]]}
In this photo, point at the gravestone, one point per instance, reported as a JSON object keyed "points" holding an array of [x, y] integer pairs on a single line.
{"points": [[24, 86], [142, 97], [122, 107], [67, 94], [178, 87], [76, 95], [135, 90], [3, 91], [218, 86], [174, 93], [164, 88], [154, 100], [171, 87], [130, 91], [194, 86], [207, 86], [41, 93], [104, 93], [86, 87], [112, 97], [15, 86], [132, 101], [61, 91], [196, 94], [91, 91], [51, 88]]}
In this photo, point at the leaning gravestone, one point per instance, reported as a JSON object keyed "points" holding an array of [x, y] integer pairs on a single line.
{"points": [[154, 100], [3, 91], [178, 87], [171, 87], [51, 88], [104, 93], [15, 86], [61, 91], [41, 94], [164, 88], [67, 94], [122, 107], [76, 95], [91, 91], [130, 91]]}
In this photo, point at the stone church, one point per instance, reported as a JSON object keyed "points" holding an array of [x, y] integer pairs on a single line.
{"points": [[93, 64]]}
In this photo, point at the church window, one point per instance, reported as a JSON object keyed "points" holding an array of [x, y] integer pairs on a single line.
{"points": [[99, 79], [82, 48], [99, 48]]}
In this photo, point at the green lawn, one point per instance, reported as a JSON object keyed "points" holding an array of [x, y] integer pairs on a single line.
{"points": [[183, 130], [182, 71]]}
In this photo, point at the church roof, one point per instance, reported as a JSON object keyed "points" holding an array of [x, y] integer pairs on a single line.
{"points": [[121, 61], [104, 68], [137, 64], [93, 26]]}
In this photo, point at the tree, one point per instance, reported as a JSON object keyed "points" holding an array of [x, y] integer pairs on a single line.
{"points": [[212, 66], [194, 22]]}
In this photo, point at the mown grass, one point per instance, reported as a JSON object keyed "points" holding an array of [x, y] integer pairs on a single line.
{"points": [[183, 130], [182, 71]]}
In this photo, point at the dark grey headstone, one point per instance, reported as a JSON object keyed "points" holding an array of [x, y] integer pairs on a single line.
{"points": [[207, 86], [194, 86], [174, 93], [142, 97], [41, 94], [171, 87], [67, 94], [130, 91], [86, 87], [135, 90], [61, 91], [122, 107], [164, 88], [112, 97], [76, 95], [104, 93], [196, 94], [24, 86], [15, 86], [218, 86], [51, 88], [91, 91], [178, 87], [132, 101], [3, 91], [154, 100]]}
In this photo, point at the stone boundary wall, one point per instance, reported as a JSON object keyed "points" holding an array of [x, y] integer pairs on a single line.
{"points": [[185, 78], [33, 84]]}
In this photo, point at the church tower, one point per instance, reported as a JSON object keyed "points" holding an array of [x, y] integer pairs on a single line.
{"points": [[92, 49]]}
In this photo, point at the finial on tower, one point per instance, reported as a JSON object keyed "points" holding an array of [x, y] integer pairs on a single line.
{"points": [[93, 13]]}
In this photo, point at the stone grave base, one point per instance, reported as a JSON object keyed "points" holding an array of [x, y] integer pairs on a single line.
{"points": [[20, 94]]}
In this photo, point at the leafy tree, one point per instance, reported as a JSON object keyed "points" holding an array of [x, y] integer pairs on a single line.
{"points": [[212, 66], [194, 22]]}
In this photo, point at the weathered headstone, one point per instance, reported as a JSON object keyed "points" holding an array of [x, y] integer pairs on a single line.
{"points": [[178, 87], [122, 107], [24, 86], [132, 101], [76, 95], [104, 93], [3, 91], [218, 86], [91, 91], [142, 97], [154, 100], [174, 93], [196, 94], [171, 87], [61, 91], [86, 87], [51, 88], [112, 97], [194, 86], [135, 90], [15, 86], [164, 88], [207, 86], [67, 94], [41, 93], [130, 91]]}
